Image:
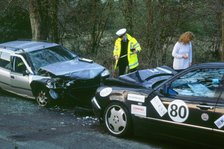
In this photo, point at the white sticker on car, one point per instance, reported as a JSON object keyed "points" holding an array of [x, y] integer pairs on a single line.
{"points": [[220, 122], [158, 105], [138, 110], [178, 111], [137, 98], [105, 92]]}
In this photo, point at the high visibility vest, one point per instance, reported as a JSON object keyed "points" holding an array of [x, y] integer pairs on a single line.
{"points": [[132, 58]]}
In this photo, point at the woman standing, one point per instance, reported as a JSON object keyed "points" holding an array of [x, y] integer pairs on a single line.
{"points": [[182, 52]]}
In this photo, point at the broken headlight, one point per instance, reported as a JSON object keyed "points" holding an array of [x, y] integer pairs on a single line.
{"points": [[55, 83], [105, 73]]}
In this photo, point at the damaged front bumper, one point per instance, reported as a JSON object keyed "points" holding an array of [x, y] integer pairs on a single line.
{"points": [[72, 89]]}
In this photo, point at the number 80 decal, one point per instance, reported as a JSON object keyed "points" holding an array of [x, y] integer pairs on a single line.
{"points": [[178, 111]]}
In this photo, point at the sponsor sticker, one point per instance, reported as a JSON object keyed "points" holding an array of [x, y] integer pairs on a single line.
{"points": [[158, 105], [105, 92], [178, 111], [138, 110], [137, 98], [220, 122]]}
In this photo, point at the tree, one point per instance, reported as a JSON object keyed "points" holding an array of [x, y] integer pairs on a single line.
{"points": [[44, 20], [14, 19], [217, 8], [100, 16], [89, 26], [222, 30], [160, 28], [39, 19], [53, 15], [222, 46], [128, 14]]}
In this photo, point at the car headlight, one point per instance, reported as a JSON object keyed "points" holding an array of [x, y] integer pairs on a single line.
{"points": [[50, 84], [105, 73], [69, 83]]}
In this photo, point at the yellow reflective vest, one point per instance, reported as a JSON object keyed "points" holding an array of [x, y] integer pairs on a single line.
{"points": [[132, 57]]}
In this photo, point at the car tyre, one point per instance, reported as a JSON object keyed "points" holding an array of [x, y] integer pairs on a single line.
{"points": [[117, 120], [43, 98]]}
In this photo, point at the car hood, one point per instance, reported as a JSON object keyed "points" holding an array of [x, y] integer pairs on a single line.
{"points": [[78, 68], [148, 78]]}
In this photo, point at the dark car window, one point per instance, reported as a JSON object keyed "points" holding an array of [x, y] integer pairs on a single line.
{"points": [[4, 64], [19, 65], [203, 83], [49, 56], [5, 60]]}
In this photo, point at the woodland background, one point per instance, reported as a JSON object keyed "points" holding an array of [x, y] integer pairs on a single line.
{"points": [[88, 27]]}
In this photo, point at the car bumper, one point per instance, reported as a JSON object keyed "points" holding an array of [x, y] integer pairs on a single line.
{"points": [[96, 108]]}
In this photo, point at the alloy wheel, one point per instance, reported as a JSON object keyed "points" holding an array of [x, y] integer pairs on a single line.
{"points": [[117, 120]]}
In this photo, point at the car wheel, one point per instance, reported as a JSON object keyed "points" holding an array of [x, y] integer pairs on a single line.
{"points": [[117, 120], [43, 98]]}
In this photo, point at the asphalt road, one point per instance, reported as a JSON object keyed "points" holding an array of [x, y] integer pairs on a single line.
{"points": [[25, 125]]}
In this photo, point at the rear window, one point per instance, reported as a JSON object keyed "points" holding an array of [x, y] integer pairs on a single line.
{"points": [[5, 60], [5, 56]]}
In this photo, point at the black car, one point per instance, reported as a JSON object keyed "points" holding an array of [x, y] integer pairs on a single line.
{"points": [[186, 105], [48, 72]]}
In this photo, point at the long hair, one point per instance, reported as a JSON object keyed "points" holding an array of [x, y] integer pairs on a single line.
{"points": [[186, 37]]}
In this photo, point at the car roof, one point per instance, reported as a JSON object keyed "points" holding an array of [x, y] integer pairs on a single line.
{"points": [[210, 64], [26, 46]]}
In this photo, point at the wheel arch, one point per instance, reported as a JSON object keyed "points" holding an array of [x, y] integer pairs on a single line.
{"points": [[36, 86], [113, 98]]}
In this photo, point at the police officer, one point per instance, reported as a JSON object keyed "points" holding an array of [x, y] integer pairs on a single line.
{"points": [[125, 52]]}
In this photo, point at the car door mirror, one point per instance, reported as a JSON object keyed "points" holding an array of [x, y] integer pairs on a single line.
{"points": [[172, 92], [26, 72], [163, 90], [167, 90]]}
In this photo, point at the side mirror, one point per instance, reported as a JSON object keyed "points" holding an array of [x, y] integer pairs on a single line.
{"points": [[166, 90], [26, 72], [172, 92], [163, 90]]}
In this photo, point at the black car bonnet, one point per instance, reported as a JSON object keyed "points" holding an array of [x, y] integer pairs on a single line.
{"points": [[149, 77]]}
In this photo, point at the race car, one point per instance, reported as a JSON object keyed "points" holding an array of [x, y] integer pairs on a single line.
{"points": [[184, 105]]}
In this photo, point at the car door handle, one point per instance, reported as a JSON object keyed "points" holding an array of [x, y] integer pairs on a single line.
{"points": [[12, 77], [205, 107]]}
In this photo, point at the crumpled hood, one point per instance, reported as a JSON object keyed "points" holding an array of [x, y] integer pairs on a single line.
{"points": [[147, 78], [75, 69]]}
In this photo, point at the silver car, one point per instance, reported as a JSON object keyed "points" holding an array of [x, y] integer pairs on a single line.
{"points": [[47, 72]]}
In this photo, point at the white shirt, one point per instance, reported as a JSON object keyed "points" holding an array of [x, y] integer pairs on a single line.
{"points": [[179, 50]]}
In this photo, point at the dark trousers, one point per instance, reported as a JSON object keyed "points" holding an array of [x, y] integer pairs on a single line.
{"points": [[132, 70], [124, 69]]}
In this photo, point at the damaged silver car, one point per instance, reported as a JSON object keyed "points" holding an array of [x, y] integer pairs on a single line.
{"points": [[48, 72]]}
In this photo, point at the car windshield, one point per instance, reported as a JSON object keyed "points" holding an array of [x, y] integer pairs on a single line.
{"points": [[47, 56]]}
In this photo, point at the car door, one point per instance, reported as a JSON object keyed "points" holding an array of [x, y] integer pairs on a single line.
{"points": [[218, 124], [20, 77], [188, 104]]}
